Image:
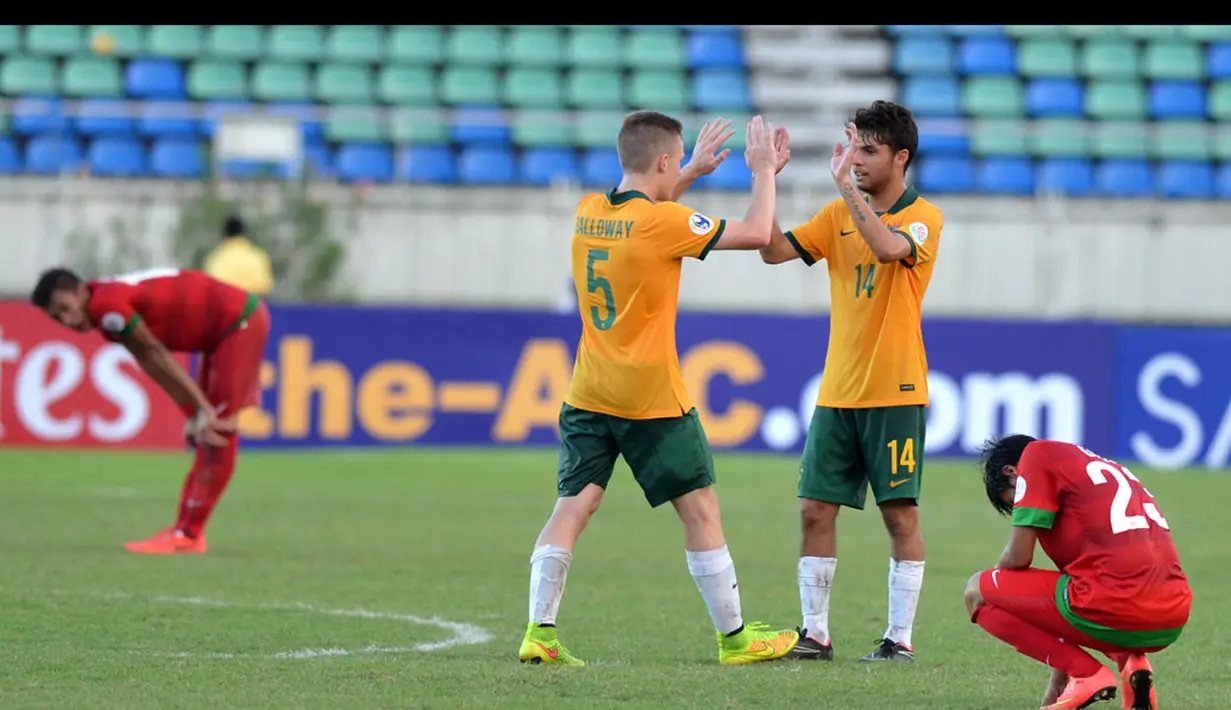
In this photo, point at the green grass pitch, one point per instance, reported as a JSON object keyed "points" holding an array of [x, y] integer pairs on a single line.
{"points": [[398, 580]]}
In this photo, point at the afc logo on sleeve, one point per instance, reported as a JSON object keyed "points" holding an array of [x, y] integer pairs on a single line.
{"points": [[919, 231], [700, 224], [1020, 491], [112, 322]]}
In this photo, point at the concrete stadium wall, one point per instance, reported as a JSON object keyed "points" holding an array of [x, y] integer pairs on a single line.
{"points": [[1049, 258]]}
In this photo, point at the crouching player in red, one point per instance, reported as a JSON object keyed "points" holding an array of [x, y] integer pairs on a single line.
{"points": [[1120, 589], [154, 313]]}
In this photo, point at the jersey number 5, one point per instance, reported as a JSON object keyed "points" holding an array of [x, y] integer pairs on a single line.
{"points": [[602, 321], [1121, 521]]}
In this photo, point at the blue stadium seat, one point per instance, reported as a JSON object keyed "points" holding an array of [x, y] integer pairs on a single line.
{"points": [[10, 160], [480, 126], [1124, 178], [1218, 60], [715, 48], [104, 117], [931, 96], [49, 155], [1222, 180], [1054, 97], [166, 118], [214, 110], [986, 55], [914, 56], [1067, 176], [911, 30], [1006, 176], [1177, 99], [432, 164], [318, 159], [487, 165], [33, 116], [155, 79], [365, 162], [720, 89], [974, 30], [952, 174], [941, 137], [177, 158], [117, 157], [731, 175], [313, 128], [1186, 180], [543, 166], [601, 168]]}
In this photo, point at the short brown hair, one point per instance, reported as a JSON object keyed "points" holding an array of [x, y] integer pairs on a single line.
{"points": [[643, 138]]}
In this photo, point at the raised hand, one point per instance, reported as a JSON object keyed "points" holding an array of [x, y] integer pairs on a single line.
{"points": [[759, 153], [782, 148], [840, 165], [708, 153]]}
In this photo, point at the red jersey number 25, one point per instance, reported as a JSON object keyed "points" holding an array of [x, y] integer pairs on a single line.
{"points": [[1099, 470]]}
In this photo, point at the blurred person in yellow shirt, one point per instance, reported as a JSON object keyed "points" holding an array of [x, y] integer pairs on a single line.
{"points": [[239, 262]]}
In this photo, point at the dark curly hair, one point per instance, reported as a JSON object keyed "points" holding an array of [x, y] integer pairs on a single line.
{"points": [[50, 281], [889, 124], [993, 457]]}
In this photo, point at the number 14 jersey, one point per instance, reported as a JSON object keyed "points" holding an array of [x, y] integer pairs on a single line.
{"points": [[1104, 530], [627, 254]]}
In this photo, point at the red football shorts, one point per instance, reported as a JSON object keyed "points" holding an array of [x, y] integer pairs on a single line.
{"points": [[230, 376], [1030, 596]]}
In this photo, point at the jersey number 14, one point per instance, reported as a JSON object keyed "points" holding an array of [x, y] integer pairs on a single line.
{"points": [[1098, 471]]}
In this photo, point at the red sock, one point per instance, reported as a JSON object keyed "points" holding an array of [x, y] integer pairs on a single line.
{"points": [[1037, 643], [190, 482], [213, 474]]}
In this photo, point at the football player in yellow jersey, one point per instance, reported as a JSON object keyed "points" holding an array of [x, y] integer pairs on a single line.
{"points": [[880, 240], [627, 395]]}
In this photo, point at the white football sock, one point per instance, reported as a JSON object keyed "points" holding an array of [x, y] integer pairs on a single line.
{"points": [[905, 581], [815, 580], [714, 573], [548, 569]]}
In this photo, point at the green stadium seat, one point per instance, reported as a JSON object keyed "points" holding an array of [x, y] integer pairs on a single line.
{"points": [[537, 128], [1046, 57], [1043, 31], [175, 41], [1174, 60], [1218, 101], [407, 85], [296, 43], [23, 74], [1206, 33], [1119, 139], [210, 79], [54, 40], [1090, 31], [355, 124], [594, 89], [1061, 138], [1181, 140], [999, 137], [654, 49], [1220, 143], [535, 47], [533, 88], [418, 127], [92, 76], [1151, 31], [126, 40], [4, 124], [469, 85], [416, 44], [988, 96], [355, 43], [344, 84], [242, 42], [598, 129], [477, 45], [279, 81], [594, 47], [659, 91], [1116, 99], [1110, 59], [10, 39]]}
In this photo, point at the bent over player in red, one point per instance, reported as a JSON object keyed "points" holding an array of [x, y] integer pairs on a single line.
{"points": [[154, 313], [1119, 589]]}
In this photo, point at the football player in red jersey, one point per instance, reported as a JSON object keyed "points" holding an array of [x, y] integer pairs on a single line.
{"points": [[154, 313], [1119, 589]]}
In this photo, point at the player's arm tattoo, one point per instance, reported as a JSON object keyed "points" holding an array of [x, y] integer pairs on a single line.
{"points": [[886, 244], [1019, 552]]}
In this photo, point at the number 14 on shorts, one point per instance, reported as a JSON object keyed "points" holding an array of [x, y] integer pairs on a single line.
{"points": [[902, 456]]}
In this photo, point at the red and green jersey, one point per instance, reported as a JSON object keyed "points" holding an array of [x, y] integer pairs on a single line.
{"points": [[188, 311], [1107, 536]]}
